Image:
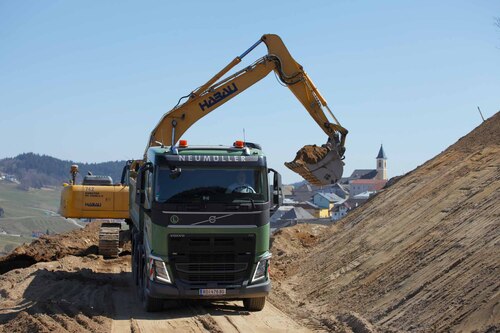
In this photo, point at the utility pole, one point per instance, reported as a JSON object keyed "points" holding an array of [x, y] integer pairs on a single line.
{"points": [[480, 113]]}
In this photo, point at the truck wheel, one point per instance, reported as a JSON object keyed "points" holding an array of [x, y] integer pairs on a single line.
{"points": [[135, 265], [138, 278], [136, 258], [254, 304], [150, 304]]}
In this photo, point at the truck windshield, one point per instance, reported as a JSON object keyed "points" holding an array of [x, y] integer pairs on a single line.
{"points": [[217, 185]]}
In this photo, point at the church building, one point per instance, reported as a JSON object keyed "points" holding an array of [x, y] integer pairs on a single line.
{"points": [[368, 180]]}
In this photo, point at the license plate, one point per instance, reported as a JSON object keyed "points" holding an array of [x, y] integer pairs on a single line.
{"points": [[212, 292]]}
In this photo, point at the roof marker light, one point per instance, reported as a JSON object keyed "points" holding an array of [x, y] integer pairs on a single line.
{"points": [[239, 144], [183, 143]]}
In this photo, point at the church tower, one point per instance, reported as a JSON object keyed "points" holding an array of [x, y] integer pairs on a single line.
{"points": [[381, 164]]}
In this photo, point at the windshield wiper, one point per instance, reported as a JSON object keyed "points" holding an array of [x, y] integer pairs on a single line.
{"points": [[252, 201]]}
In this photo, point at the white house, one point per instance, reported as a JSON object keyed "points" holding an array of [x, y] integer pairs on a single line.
{"points": [[340, 210]]}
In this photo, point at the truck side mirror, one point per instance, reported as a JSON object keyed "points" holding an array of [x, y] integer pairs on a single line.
{"points": [[277, 189], [139, 189], [175, 172]]}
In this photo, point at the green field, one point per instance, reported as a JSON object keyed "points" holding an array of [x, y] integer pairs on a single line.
{"points": [[28, 212], [19, 203], [9, 243]]}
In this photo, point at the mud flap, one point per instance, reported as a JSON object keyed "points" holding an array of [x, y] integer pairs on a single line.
{"points": [[327, 171]]}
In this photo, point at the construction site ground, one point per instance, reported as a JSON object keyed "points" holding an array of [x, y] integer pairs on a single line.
{"points": [[423, 255], [90, 294]]}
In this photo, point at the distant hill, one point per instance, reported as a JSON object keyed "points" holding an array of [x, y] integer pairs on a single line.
{"points": [[297, 184], [37, 171]]}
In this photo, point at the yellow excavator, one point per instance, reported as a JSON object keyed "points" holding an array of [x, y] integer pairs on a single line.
{"points": [[107, 201], [97, 198]]}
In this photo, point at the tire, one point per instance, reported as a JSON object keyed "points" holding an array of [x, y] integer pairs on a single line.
{"points": [[139, 287], [254, 304], [136, 257], [151, 304], [135, 266]]}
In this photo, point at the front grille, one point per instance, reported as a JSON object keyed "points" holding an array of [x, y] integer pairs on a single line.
{"points": [[211, 267], [208, 259]]}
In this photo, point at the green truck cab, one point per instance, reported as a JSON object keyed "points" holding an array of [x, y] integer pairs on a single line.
{"points": [[200, 224]]}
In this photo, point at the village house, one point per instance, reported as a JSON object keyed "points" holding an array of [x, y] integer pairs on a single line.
{"points": [[325, 200], [360, 198], [358, 186], [340, 210], [314, 210]]}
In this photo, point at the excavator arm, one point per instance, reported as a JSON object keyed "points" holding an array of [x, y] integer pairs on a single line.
{"points": [[218, 91]]}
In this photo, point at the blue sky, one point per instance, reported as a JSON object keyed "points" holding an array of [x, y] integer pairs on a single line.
{"points": [[88, 80]]}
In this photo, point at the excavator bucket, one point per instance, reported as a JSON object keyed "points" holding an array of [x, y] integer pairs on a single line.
{"points": [[318, 165]]}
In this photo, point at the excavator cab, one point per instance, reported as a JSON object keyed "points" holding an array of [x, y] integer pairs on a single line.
{"points": [[97, 180]]}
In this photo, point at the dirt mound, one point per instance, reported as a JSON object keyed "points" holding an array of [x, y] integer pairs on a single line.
{"points": [[288, 244], [48, 248], [310, 154], [422, 255]]}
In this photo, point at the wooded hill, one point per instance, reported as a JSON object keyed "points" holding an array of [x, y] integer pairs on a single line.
{"points": [[37, 171]]}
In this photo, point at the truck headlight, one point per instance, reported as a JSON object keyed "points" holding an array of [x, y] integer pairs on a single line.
{"points": [[261, 270], [158, 270]]}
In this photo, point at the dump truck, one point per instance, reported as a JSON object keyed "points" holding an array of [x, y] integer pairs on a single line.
{"points": [[201, 224]]}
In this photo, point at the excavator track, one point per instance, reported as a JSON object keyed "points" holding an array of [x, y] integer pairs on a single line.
{"points": [[109, 240]]}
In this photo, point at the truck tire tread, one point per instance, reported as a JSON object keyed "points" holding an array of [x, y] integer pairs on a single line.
{"points": [[254, 304]]}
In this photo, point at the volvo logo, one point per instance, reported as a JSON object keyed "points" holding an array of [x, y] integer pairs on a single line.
{"points": [[174, 219], [212, 219]]}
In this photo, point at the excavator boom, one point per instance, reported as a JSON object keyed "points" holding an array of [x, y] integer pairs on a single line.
{"points": [[218, 91]]}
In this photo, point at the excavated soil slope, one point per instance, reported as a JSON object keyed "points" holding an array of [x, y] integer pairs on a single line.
{"points": [[423, 255], [49, 248]]}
